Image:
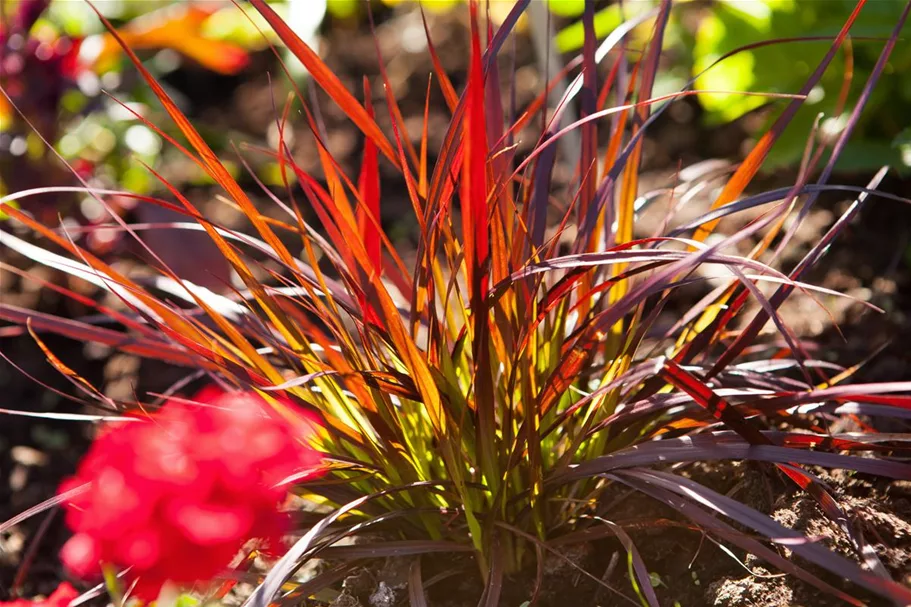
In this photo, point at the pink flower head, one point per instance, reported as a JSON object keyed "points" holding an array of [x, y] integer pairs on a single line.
{"points": [[176, 496], [61, 597]]}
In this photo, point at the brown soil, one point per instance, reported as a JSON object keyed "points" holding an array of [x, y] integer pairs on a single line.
{"points": [[869, 260], [688, 569]]}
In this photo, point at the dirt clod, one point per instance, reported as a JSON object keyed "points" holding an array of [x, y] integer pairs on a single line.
{"points": [[750, 591], [383, 596]]}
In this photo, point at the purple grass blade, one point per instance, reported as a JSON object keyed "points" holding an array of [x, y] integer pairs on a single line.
{"points": [[292, 560], [642, 574], [494, 587], [43, 506], [867, 410], [393, 549], [506, 27], [691, 449], [588, 220], [749, 334], [537, 205], [416, 596], [588, 96], [871, 393], [765, 525], [757, 200], [336, 574], [713, 525]]}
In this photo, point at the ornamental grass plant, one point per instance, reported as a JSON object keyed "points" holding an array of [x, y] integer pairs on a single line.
{"points": [[484, 396]]}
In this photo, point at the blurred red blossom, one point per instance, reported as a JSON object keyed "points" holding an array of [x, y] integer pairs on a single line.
{"points": [[176, 496], [61, 597]]}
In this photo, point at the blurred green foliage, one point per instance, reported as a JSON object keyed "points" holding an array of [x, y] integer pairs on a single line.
{"points": [[606, 20], [782, 68], [432, 5], [726, 25], [499, 9]]}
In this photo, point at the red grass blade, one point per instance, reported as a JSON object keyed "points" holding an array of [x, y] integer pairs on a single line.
{"points": [[476, 236], [475, 213], [369, 188]]}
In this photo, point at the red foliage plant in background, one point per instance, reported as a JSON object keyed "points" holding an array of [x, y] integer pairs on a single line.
{"points": [[61, 597], [178, 494]]}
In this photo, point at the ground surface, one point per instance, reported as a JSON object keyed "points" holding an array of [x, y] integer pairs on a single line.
{"points": [[869, 261]]}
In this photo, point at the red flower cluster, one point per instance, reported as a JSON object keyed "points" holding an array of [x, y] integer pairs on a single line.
{"points": [[177, 496], [60, 598]]}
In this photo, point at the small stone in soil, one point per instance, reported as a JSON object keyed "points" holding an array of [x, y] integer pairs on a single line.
{"points": [[383, 596]]}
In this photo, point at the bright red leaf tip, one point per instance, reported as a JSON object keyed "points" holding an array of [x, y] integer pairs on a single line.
{"points": [[176, 498], [369, 190], [475, 224]]}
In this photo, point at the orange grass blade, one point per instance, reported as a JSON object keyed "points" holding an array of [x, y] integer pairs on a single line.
{"points": [[221, 176], [449, 92], [329, 82], [422, 165]]}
